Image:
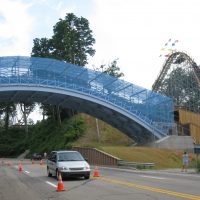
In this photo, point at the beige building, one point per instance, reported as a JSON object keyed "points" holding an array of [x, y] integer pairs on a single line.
{"points": [[188, 124]]}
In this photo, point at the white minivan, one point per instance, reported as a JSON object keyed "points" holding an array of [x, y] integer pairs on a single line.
{"points": [[68, 163]]}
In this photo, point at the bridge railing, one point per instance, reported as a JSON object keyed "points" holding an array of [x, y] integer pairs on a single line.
{"points": [[119, 102]]}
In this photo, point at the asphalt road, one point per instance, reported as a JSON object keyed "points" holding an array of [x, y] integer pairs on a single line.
{"points": [[113, 184]]}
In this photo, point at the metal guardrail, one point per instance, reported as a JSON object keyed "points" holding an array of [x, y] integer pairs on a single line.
{"points": [[135, 164]]}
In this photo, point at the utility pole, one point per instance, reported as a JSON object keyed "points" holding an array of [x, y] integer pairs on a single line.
{"points": [[98, 132]]}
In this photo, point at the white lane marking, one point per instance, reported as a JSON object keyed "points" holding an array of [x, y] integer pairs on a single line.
{"points": [[27, 172], [154, 177], [51, 184]]}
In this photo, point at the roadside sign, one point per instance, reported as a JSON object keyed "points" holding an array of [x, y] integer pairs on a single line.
{"points": [[197, 149]]}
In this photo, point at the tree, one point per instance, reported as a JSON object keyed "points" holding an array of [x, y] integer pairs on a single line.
{"points": [[26, 109], [72, 42], [8, 109], [113, 69], [42, 48]]}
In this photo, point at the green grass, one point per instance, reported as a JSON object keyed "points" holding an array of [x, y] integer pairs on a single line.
{"points": [[108, 134], [118, 144], [161, 157]]}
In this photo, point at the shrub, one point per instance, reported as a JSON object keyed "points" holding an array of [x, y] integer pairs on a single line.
{"points": [[198, 165]]}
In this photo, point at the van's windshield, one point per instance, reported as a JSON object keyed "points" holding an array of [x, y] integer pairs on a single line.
{"points": [[69, 156]]}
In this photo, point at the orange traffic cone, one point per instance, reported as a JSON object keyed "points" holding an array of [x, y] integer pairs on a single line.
{"points": [[96, 172], [60, 186], [20, 168]]}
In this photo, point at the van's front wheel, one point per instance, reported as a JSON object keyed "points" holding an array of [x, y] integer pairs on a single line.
{"points": [[87, 176], [48, 173], [57, 174]]}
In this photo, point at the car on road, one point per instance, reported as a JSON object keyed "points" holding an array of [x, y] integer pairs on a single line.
{"points": [[68, 163], [36, 156]]}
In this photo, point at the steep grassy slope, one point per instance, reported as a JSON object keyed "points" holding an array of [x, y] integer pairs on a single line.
{"points": [[161, 157], [108, 135], [118, 144]]}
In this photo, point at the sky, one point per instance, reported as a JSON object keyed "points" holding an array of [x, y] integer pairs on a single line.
{"points": [[132, 31]]}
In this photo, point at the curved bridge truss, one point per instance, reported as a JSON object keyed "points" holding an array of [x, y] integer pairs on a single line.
{"points": [[141, 114], [180, 79]]}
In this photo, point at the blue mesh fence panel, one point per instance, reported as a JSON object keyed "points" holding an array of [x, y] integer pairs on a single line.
{"points": [[153, 108]]}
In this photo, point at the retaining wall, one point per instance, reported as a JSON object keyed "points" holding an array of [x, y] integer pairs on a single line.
{"points": [[97, 157]]}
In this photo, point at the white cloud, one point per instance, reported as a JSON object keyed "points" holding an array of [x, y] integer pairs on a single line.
{"points": [[132, 30], [15, 29], [135, 32], [63, 9]]}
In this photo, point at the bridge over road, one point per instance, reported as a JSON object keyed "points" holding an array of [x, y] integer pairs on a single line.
{"points": [[140, 113]]}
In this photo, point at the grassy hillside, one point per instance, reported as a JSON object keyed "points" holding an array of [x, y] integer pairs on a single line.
{"points": [[108, 135], [161, 157], [118, 144]]}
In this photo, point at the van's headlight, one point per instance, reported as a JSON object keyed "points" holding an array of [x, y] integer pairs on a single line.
{"points": [[87, 167], [63, 168]]}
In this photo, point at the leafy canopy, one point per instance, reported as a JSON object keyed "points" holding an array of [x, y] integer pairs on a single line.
{"points": [[72, 41]]}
